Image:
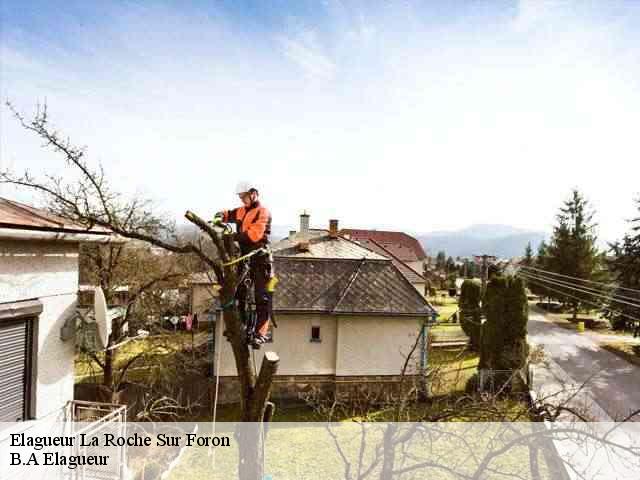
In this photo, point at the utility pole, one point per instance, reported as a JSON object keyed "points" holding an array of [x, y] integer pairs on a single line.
{"points": [[485, 267]]}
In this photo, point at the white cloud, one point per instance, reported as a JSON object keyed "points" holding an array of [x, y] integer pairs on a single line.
{"points": [[304, 50], [533, 13], [462, 124]]}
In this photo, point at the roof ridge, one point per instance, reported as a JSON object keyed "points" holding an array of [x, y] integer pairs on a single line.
{"points": [[405, 264], [351, 280], [360, 245]]}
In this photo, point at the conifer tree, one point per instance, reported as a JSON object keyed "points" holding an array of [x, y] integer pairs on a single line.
{"points": [[572, 251]]}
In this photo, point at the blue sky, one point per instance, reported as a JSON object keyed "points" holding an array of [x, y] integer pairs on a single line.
{"points": [[410, 115]]}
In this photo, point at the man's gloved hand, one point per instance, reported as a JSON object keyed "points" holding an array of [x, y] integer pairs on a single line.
{"points": [[218, 218]]}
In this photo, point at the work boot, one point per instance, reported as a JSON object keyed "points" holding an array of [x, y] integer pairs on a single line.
{"points": [[257, 341]]}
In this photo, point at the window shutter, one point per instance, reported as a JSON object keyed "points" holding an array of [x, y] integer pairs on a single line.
{"points": [[14, 336]]}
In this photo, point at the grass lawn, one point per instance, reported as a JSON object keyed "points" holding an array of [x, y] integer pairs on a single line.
{"points": [[315, 451], [454, 367], [444, 304], [156, 346]]}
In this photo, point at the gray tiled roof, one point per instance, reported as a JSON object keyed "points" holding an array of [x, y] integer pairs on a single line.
{"points": [[322, 246], [345, 286]]}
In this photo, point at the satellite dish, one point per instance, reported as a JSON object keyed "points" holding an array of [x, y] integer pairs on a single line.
{"points": [[103, 322]]}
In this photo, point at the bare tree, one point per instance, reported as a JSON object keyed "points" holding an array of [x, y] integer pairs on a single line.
{"points": [[86, 197], [146, 277], [396, 437]]}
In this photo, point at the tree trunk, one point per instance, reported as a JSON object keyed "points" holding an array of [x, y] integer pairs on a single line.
{"points": [[107, 372], [254, 390], [250, 432], [388, 452]]}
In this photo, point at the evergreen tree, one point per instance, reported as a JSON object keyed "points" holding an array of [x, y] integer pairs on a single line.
{"points": [[625, 269], [504, 334], [541, 261], [528, 256], [469, 269], [441, 260], [572, 250], [470, 296], [451, 265], [541, 256]]}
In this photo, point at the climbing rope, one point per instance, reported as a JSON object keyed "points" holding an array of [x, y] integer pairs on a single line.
{"points": [[212, 451], [246, 256]]}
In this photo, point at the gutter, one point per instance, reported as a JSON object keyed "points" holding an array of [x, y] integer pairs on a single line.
{"points": [[59, 236]]}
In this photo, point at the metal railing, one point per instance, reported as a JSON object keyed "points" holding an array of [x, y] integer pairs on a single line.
{"points": [[89, 420]]}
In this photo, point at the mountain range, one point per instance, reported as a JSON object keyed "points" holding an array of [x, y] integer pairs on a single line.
{"points": [[503, 241]]}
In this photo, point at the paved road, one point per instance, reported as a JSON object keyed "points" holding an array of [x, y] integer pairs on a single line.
{"points": [[613, 382]]}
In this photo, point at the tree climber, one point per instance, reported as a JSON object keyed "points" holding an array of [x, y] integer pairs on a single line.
{"points": [[253, 226]]}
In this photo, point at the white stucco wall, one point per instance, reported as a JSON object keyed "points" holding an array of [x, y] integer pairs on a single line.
{"points": [[374, 345], [47, 271], [291, 340], [419, 286], [418, 266], [201, 297], [351, 345]]}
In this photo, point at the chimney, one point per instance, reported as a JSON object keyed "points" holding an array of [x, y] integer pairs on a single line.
{"points": [[292, 234], [304, 222], [333, 228]]}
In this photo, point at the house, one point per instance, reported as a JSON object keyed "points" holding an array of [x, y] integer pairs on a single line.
{"points": [[416, 279], [38, 296], [202, 293], [401, 245], [346, 317]]}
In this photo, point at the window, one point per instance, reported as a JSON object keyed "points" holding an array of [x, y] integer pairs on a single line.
{"points": [[18, 328], [315, 334]]}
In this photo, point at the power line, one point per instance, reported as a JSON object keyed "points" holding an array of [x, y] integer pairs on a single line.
{"points": [[608, 285], [606, 297], [585, 301], [595, 290]]}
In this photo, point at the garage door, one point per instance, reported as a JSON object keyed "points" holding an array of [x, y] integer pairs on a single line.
{"points": [[14, 336]]}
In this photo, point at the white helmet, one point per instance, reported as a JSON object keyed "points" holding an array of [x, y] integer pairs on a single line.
{"points": [[244, 187]]}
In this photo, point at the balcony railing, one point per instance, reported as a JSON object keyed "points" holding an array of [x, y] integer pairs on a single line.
{"points": [[94, 419]]}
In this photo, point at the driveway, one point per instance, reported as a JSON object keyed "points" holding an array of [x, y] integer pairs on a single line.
{"points": [[612, 382]]}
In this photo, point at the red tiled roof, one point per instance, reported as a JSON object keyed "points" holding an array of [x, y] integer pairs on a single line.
{"points": [[408, 272], [400, 244], [16, 215]]}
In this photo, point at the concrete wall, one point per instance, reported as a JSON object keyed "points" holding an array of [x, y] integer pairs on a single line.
{"points": [[374, 345], [48, 271]]}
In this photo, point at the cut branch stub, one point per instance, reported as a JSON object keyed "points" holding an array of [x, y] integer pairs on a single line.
{"points": [[215, 237], [262, 389]]}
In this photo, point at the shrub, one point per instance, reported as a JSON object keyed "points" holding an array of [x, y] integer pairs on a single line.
{"points": [[504, 337], [470, 296]]}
